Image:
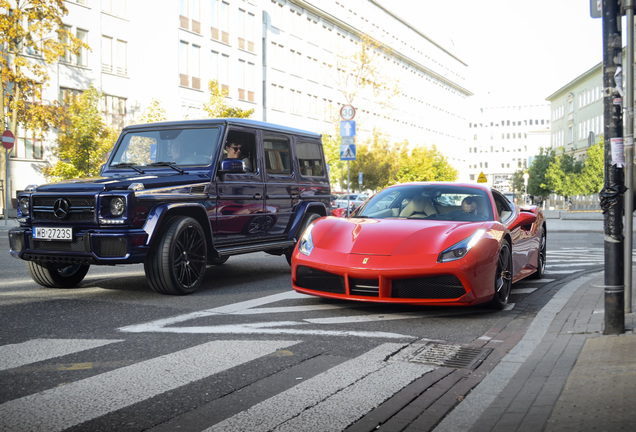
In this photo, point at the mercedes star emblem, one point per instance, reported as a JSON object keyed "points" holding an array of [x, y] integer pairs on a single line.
{"points": [[61, 208]]}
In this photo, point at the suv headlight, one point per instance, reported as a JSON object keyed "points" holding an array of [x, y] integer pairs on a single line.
{"points": [[117, 206], [24, 206]]}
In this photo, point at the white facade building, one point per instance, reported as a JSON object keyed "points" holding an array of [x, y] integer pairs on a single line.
{"points": [[279, 57], [503, 140]]}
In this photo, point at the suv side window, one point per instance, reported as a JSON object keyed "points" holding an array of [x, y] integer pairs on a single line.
{"points": [[246, 142], [277, 154], [310, 158]]}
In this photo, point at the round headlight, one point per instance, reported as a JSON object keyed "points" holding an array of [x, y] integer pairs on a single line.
{"points": [[117, 206], [24, 206]]}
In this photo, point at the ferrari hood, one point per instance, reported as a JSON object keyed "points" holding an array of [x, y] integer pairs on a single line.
{"points": [[389, 236]]}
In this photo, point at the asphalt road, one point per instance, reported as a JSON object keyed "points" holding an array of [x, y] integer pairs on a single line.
{"points": [[242, 353]]}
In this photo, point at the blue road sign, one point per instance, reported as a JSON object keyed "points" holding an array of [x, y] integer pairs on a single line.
{"points": [[348, 152], [347, 128]]}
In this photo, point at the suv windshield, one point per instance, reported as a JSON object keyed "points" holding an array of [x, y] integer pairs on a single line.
{"points": [[178, 146]]}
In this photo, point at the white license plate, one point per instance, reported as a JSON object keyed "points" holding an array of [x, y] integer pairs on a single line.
{"points": [[53, 233]]}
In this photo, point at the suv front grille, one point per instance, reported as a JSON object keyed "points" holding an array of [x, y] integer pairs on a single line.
{"points": [[81, 208]]}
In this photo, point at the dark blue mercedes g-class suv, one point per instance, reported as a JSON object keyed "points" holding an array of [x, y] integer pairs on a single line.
{"points": [[176, 196]]}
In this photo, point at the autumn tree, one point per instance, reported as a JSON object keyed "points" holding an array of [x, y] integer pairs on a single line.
{"points": [[32, 36], [217, 106], [155, 112], [83, 139], [424, 163], [377, 161]]}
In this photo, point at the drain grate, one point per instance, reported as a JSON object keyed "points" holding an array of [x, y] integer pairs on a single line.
{"points": [[454, 356]]}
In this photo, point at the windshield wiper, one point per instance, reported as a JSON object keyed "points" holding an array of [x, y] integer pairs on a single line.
{"points": [[172, 165], [128, 165]]}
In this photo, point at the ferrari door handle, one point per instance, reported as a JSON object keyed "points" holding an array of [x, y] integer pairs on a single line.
{"points": [[258, 196]]}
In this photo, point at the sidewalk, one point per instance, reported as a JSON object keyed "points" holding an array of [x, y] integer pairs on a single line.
{"points": [[563, 375]]}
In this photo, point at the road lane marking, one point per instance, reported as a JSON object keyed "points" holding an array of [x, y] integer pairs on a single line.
{"points": [[251, 307], [368, 380], [71, 404], [36, 350]]}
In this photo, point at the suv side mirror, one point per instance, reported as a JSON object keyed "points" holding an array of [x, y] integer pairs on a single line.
{"points": [[229, 166]]}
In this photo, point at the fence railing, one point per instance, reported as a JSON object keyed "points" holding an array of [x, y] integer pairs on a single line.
{"points": [[573, 203]]}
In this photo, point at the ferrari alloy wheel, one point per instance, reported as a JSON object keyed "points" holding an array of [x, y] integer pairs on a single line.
{"points": [[177, 262], [541, 257], [503, 278], [57, 275]]}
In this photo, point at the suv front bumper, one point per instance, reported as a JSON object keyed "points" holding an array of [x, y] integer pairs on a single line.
{"points": [[89, 246]]}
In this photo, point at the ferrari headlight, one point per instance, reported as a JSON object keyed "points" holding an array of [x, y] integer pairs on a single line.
{"points": [[306, 242], [459, 250], [117, 206]]}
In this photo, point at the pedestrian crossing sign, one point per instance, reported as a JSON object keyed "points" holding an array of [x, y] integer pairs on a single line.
{"points": [[482, 178], [348, 152]]}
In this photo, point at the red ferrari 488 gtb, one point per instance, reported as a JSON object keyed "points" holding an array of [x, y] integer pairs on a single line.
{"points": [[448, 244]]}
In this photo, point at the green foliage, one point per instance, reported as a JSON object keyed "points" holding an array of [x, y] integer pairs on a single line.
{"points": [[83, 140], [424, 164], [217, 106], [32, 36], [383, 164], [537, 183], [154, 113], [518, 184]]}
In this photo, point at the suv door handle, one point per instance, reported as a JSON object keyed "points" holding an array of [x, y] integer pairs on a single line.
{"points": [[258, 196]]}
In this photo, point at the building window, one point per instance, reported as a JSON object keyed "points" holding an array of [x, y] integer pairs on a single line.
{"points": [[246, 30], [189, 61], [114, 56], [190, 15], [81, 58], [67, 95], [219, 21], [28, 143], [114, 111], [113, 7], [246, 80]]}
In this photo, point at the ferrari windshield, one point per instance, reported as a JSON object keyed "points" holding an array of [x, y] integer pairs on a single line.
{"points": [[432, 202], [166, 147]]}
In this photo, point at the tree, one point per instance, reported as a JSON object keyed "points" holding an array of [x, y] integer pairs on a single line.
{"points": [[424, 164], [217, 106], [377, 163], [537, 183], [592, 175], [83, 141], [154, 113], [32, 36], [360, 70]]}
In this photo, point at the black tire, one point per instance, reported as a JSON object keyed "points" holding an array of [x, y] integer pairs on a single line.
{"points": [[309, 218], [176, 263], [541, 260], [503, 278], [57, 275]]}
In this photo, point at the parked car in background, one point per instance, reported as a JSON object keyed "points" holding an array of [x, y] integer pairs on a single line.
{"points": [[170, 197], [354, 201]]}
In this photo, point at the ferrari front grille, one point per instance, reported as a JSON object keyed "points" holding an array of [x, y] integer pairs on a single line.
{"points": [[432, 287], [318, 280], [364, 287]]}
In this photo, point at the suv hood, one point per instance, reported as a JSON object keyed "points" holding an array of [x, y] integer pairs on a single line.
{"points": [[101, 184]]}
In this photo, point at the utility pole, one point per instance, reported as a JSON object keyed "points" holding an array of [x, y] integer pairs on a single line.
{"points": [[613, 191], [629, 6]]}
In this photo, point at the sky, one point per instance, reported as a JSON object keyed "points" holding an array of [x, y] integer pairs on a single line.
{"points": [[518, 52]]}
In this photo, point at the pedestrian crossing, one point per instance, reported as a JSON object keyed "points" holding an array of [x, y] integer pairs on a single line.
{"points": [[346, 391], [573, 260]]}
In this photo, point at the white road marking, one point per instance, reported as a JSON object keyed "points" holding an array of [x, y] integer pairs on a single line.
{"points": [[16, 355], [523, 290], [71, 404], [251, 307], [333, 399]]}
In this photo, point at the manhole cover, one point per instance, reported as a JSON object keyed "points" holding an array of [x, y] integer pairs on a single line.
{"points": [[455, 356]]}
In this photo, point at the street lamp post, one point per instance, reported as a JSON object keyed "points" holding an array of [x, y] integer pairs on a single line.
{"points": [[526, 176]]}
